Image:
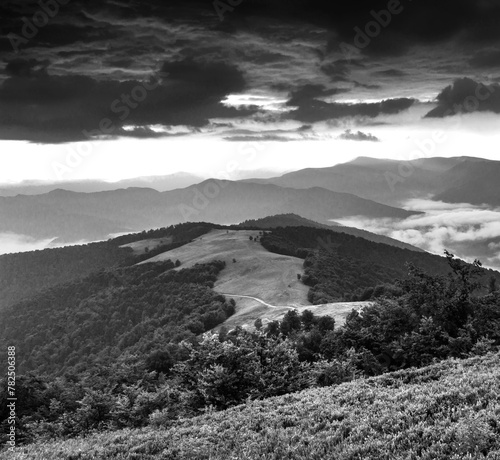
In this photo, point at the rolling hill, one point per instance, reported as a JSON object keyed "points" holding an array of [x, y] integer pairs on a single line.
{"points": [[292, 220], [23, 275], [70, 216]]}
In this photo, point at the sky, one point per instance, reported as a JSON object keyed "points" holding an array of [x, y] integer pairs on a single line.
{"points": [[114, 89]]}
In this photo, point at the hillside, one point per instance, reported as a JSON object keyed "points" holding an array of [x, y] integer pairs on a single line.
{"points": [[264, 285], [70, 216], [292, 220], [372, 261], [445, 411], [110, 314], [23, 275], [455, 180]]}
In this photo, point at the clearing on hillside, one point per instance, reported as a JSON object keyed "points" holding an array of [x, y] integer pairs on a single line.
{"points": [[263, 284]]}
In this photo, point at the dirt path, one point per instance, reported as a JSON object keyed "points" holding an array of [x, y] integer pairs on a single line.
{"points": [[257, 300]]}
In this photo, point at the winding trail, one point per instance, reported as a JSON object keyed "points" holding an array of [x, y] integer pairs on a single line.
{"points": [[257, 300]]}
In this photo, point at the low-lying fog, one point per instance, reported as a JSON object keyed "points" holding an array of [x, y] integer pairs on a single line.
{"points": [[468, 231]]}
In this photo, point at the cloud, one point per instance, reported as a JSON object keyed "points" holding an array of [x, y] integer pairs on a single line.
{"points": [[390, 73], [417, 23], [467, 231], [486, 59], [11, 242], [304, 132], [348, 135], [259, 138], [311, 109], [49, 108], [466, 96]]}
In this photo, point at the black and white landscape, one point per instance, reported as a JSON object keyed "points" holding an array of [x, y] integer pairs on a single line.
{"points": [[249, 229]]}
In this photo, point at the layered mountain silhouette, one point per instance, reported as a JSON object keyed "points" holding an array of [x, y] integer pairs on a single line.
{"points": [[160, 183], [70, 216], [454, 180]]}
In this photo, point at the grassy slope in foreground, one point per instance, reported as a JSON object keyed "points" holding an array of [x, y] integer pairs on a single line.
{"points": [[447, 411]]}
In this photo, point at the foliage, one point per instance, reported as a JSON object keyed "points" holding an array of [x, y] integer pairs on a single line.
{"points": [[97, 319], [339, 266], [50, 267], [448, 411]]}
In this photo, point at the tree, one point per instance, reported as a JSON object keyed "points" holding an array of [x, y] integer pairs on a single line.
{"points": [[159, 361], [290, 323], [177, 263], [307, 318], [492, 285], [258, 324]]}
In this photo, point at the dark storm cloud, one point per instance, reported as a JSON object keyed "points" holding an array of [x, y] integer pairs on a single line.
{"points": [[310, 109], [349, 135], [390, 73], [466, 96], [26, 67], [102, 49], [486, 59], [48, 108], [310, 91], [422, 22]]}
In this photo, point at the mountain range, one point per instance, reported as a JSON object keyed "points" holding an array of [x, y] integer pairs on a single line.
{"points": [[392, 182], [71, 216], [160, 183]]}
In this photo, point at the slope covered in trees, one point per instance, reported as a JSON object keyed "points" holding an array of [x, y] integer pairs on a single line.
{"points": [[435, 318], [341, 267], [95, 320], [24, 274]]}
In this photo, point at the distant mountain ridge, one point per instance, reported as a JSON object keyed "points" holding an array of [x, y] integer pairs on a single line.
{"points": [[159, 183], [392, 182], [71, 216]]}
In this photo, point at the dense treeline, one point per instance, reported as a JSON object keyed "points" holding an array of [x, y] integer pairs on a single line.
{"points": [[344, 267], [137, 309], [333, 277], [435, 317], [24, 274]]}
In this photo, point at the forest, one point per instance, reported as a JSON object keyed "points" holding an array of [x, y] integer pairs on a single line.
{"points": [[49, 267], [160, 373], [340, 267]]}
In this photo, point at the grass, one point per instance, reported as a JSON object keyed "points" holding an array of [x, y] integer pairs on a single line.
{"points": [[446, 411], [256, 273]]}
